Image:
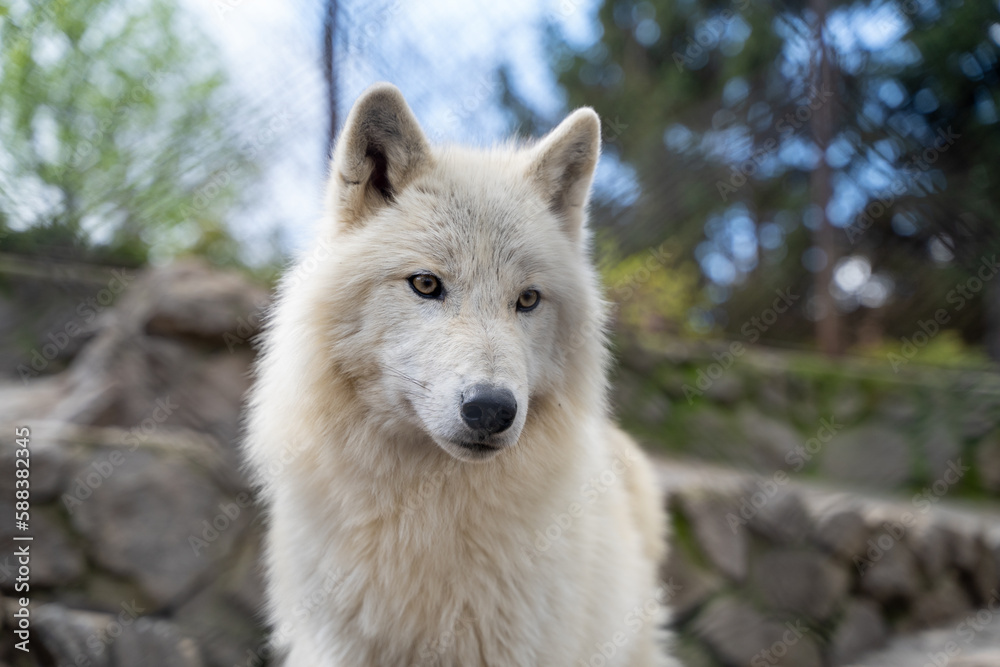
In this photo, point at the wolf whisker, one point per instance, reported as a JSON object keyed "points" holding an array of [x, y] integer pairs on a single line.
{"points": [[404, 376]]}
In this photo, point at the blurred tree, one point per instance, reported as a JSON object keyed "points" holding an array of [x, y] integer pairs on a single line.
{"points": [[115, 133], [330, 40], [841, 155], [822, 124], [930, 112]]}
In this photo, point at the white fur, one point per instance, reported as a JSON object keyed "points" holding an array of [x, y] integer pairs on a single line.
{"points": [[389, 543]]}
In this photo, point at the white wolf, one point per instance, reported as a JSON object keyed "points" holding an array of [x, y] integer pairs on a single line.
{"points": [[429, 424]]}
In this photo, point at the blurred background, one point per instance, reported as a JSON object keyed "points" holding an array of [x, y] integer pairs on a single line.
{"points": [[795, 216]]}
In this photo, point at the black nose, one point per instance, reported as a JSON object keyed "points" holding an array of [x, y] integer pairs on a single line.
{"points": [[489, 409]]}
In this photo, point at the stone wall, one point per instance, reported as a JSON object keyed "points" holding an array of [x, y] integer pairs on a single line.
{"points": [[147, 541], [146, 536], [852, 421], [772, 572]]}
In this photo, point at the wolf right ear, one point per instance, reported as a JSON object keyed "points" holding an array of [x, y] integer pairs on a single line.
{"points": [[380, 150], [563, 165]]}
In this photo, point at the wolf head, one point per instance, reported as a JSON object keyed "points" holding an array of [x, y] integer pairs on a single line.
{"points": [[461, 298]]}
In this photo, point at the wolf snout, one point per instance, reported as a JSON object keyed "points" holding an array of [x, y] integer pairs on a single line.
{"points": [[488, 408]]}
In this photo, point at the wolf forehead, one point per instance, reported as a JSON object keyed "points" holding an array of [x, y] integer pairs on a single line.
{"points": [[484, 212], [462, 187], [460, 222], [477, 242]]}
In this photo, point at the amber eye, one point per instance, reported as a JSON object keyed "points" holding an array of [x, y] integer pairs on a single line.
{"points": [[426, 285], [528, 300]]}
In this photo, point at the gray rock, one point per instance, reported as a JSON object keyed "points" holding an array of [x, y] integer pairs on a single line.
{"points": [[773, 392], [901, 408], [55, 559], [220, 628], [985, 574], [800, 581], [872, 455], [245, 583], [211, 395], [769, 440], [941, 446], [144, 521], [157, 384], [151, 642], [178, 338], [983, 659], [892, 574], [991, 541], [725, 547], [728, 389], [944, 603], [783, 518], [73, 637], [982, 418], [697, 584], [848, 404], [691, 653], [988, 463], [49, 464], [192, 299], [121, 639], [103, 590], [163, 344], [712, 434], [862, 629], [981, 649], [930, 542], [218, 616], [805, 401], [964, 549], [842, 532], [740, 635], [49, 467]]}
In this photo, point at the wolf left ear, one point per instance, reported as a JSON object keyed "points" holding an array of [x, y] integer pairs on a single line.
{"points": [[563, 165], [380, 150]]}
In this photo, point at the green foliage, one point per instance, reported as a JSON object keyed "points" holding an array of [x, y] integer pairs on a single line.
{"points": [[944, 349], [114, 141], [653, 295]]}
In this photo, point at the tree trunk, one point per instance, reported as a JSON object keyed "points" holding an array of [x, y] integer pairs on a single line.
{"points": [[828, 335], [329, 70]]}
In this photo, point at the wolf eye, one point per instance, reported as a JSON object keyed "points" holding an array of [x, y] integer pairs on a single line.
{"points": [[426, 285], [528, 300]]}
